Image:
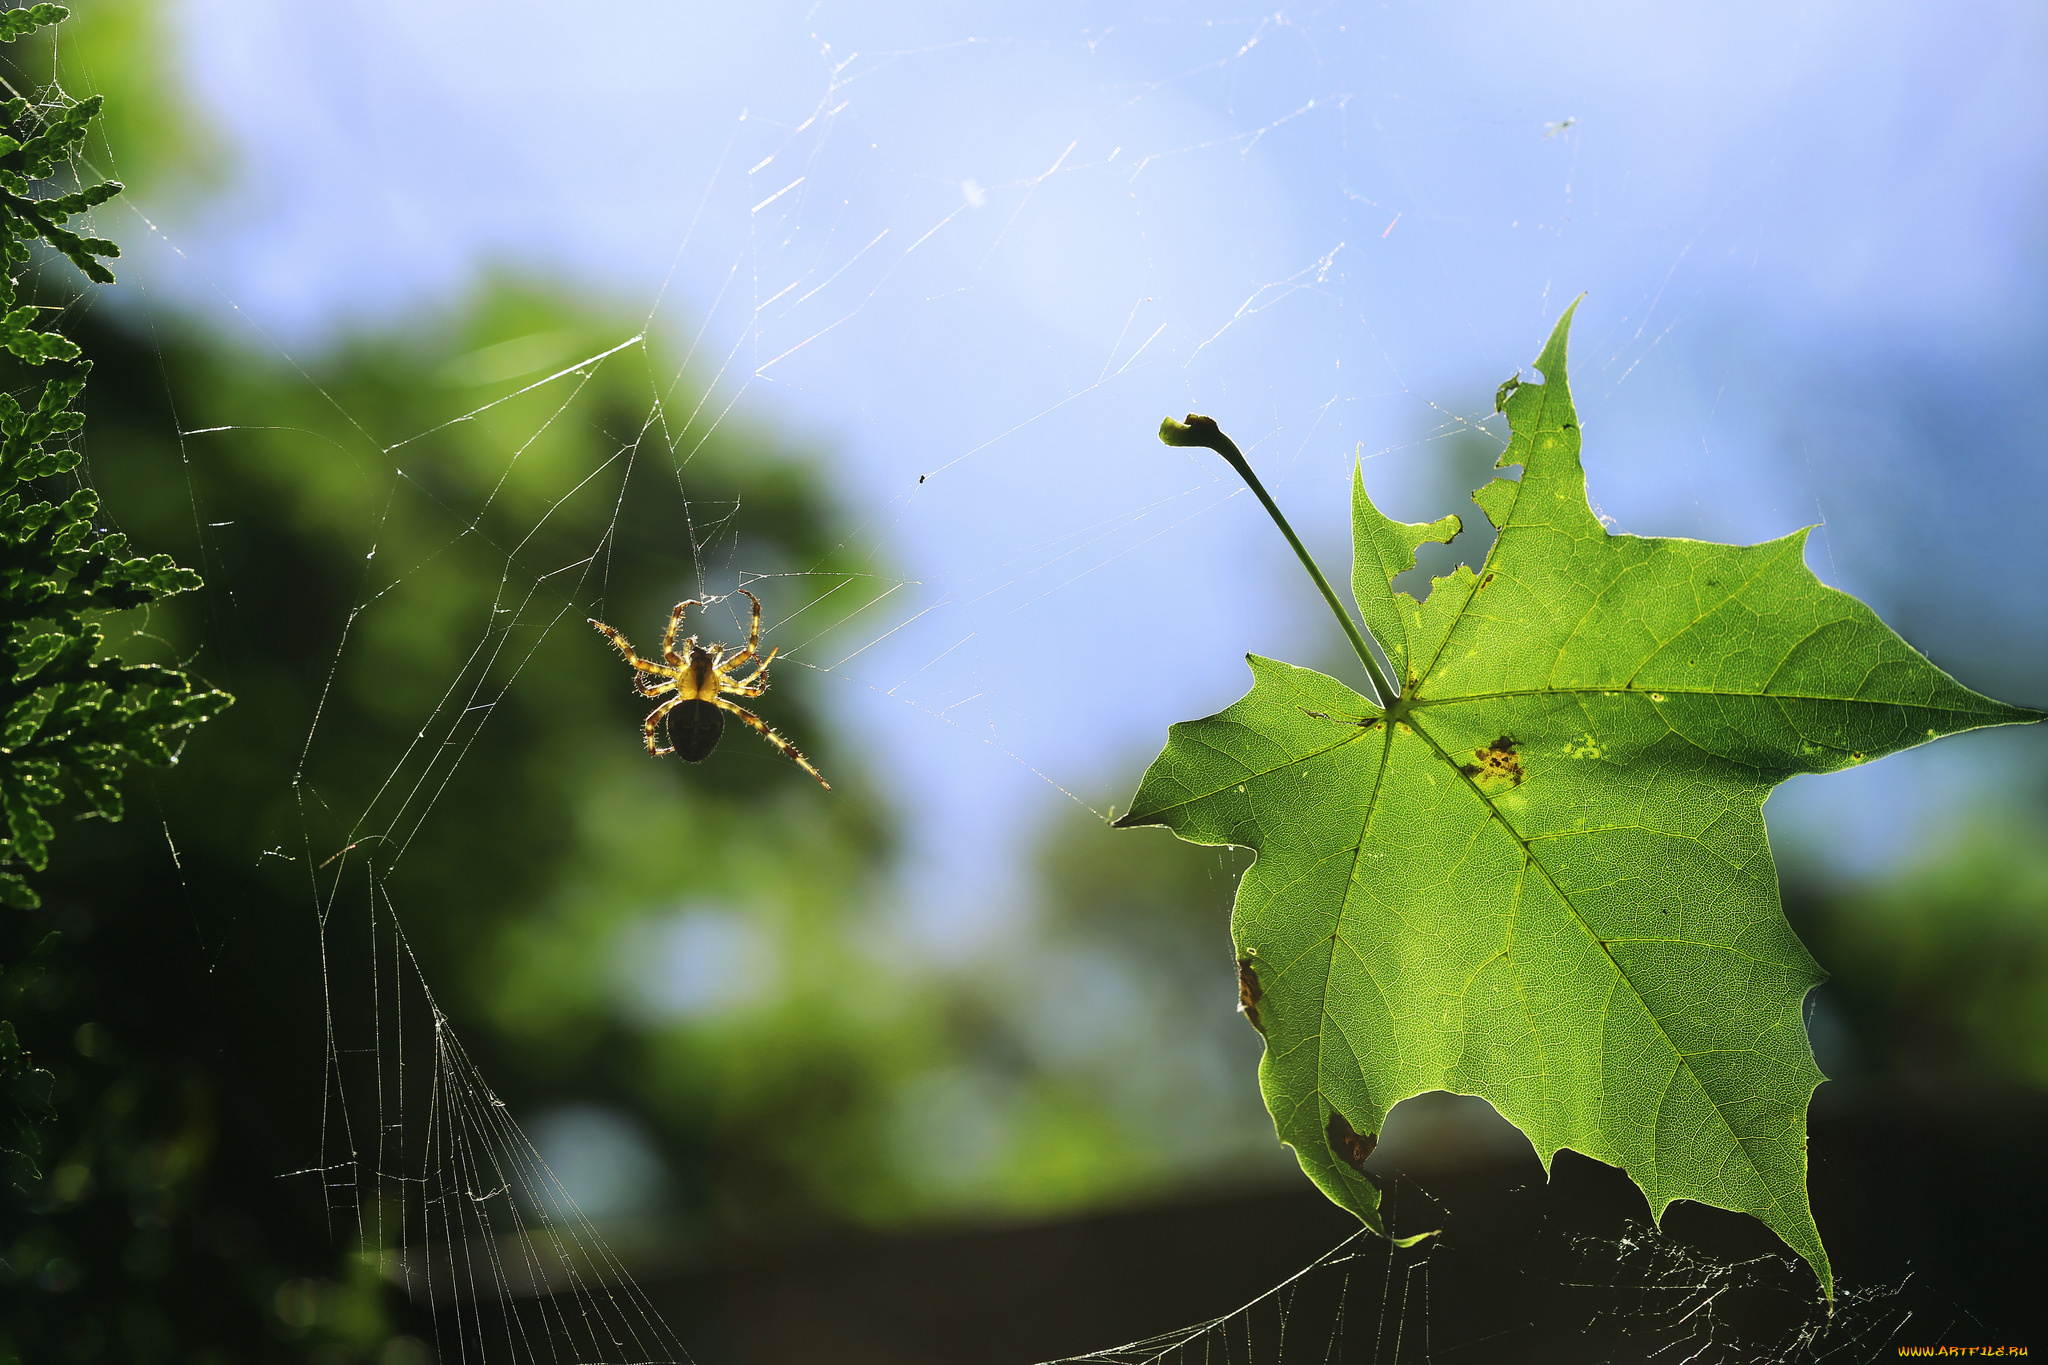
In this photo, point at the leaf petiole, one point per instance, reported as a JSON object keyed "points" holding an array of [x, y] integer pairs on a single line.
{"points": [[1203, 431]]}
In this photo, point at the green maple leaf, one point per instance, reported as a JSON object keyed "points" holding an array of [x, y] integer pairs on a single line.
{"points": [[1539, 875]]}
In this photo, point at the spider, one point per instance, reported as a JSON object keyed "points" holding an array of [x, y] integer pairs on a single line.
{"points": [[696, 681]]}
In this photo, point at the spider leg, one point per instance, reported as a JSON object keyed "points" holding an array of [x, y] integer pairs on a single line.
{"points": [[783, 746], [626, 650], [652, 724], [753, 635], [755, 683], [675, 623]]}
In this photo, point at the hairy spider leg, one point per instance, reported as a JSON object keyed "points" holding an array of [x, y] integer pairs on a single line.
{"points": [[626, 650], [747, 686], [651, 727], [753, 636], [675, 623], [765, 731]]}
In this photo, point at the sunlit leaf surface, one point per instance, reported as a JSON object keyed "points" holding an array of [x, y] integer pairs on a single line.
{"points": [[1541, 875]]}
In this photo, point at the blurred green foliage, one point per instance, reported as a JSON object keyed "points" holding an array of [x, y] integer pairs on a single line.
{"points": [[1097, 1056], [367, 597], [1941, 969]]}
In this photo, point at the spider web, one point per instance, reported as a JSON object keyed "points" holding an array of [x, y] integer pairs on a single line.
{"points": [[982, 314], [1643, 1297]]}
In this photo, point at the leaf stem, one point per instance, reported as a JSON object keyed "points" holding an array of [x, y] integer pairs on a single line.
{"points": [[1203, 431]]}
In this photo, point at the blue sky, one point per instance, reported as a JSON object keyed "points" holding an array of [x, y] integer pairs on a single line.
{"points": [[992, 245]]}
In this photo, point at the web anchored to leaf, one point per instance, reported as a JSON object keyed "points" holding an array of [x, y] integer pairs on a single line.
{"points": [[1538, 874]]}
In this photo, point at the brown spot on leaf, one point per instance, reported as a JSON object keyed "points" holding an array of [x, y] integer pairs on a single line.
{"points": [[1351, 1146], [1496, 763], [1249, 994]]}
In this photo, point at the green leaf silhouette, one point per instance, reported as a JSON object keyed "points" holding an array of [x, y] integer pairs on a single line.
{"points": [[72, 715], [1540, 875]]}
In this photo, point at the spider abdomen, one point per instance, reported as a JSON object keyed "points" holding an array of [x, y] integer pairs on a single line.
{"points": [[694, 728]]}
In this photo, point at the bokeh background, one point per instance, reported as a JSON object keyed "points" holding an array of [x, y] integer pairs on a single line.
{"points": [[444, 326]]}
